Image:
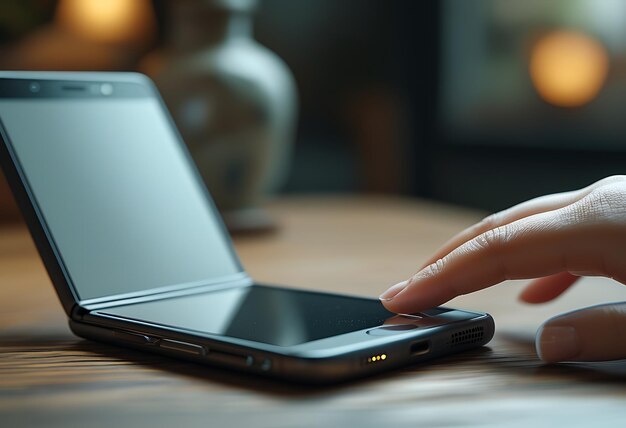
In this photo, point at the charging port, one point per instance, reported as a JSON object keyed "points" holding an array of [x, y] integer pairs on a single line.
{"points": [[419, 348]]}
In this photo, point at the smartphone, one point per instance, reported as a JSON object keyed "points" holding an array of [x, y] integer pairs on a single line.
{"points": [[139, 256]]}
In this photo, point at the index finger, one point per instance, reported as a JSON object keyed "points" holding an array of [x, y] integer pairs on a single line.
{"points": [[535, 246], [517, 212]]}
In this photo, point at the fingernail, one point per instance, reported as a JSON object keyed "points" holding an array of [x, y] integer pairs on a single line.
{"points": [[555, 344], [393, 291]]}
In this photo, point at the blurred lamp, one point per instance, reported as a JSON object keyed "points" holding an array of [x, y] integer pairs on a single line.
{"points": [[568, 68], [107, 21]]}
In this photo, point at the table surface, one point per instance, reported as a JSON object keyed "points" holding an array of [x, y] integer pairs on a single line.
{"points": [[355, 245]]}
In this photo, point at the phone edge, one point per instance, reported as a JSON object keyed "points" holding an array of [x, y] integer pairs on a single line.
{"points": [[303, 369]]}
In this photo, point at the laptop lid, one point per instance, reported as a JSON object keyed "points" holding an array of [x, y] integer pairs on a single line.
{"points": [[108, 188]]}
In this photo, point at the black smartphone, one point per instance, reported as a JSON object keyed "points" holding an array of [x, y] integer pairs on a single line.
{"points": [[139, 256]]}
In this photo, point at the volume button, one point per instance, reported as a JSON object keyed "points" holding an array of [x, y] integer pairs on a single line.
{"points": [[138, 338], [238, 360], [177, 345]]}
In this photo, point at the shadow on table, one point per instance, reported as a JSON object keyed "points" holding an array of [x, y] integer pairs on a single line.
{"points": [[73, 352], [514, 357]]}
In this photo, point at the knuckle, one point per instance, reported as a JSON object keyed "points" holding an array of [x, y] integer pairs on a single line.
{"points": [[578, 212], [493, 239], [432, 269], [612, 179], [492, 243], [491, 221], [602, 203]]}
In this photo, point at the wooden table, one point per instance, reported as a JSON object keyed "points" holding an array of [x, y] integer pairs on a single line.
{"points": [[48, 377]]}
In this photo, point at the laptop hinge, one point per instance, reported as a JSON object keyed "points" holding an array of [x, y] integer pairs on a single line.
{"points": [[86, 306], [77, 312]]}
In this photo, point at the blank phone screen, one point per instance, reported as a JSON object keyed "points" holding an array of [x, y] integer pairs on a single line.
{"points": [[273, 315], [117, 191], [263, 314]]}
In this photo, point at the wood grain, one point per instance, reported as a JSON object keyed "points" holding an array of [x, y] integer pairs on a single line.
{"points": [[355, 245]]}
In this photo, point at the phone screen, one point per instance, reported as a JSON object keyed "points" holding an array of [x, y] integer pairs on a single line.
{"points": [[277, 316]]}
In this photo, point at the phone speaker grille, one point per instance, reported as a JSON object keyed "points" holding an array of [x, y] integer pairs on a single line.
{"points": [[466, 337]]}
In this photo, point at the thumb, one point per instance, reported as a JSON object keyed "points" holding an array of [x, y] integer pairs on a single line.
{"points": [[597, 333]]}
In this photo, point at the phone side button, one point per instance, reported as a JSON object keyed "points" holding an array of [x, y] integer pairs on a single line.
{"points": [[177, 345], [266, 365], [238, 360], [138, 338], [388, 330]]}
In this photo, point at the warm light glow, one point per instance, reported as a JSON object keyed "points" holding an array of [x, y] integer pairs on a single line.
{"points": [[383, 357], [568, 68], [107, 20]]}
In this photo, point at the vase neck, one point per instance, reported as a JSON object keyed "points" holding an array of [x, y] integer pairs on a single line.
{"points": [[195, 26], [239, 26]]}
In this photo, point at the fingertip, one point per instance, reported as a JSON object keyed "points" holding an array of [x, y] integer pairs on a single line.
{"points": [[388, 304], [392, 291], [548, 288], [527, 296], [399, 306], [522, 297], [536, 292], [538, 342], [555, 344], [413, 298], [589, 334]]}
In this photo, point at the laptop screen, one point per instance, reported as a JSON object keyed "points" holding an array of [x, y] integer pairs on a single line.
{"points": [[116, 189]]}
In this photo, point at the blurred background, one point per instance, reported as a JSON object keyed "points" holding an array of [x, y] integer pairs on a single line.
{"points": [[480, 103]]}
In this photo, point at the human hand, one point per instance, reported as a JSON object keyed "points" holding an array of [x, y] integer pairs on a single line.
{"points": [[555, 238]]}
